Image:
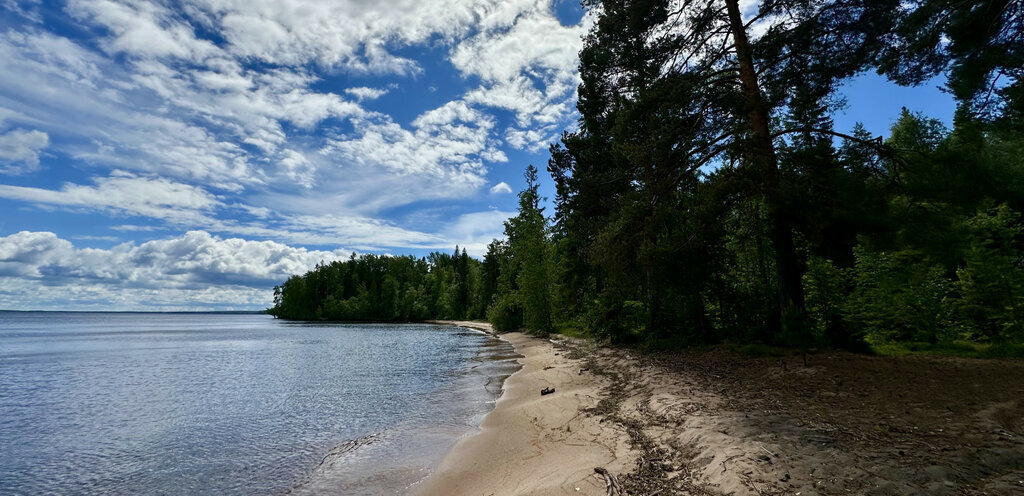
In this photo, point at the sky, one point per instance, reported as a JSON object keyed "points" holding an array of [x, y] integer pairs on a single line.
{"points": [[189, 155]]}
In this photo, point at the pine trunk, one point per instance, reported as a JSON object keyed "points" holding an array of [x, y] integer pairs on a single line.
{"points": [[790, 287]]}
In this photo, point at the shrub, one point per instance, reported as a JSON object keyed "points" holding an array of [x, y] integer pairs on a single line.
{"points": [[505, 314], [991, 282], [827, 288], [900, 296]]}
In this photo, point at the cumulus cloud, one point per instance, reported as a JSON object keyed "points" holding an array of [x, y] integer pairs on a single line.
{"points": [[362, 93], [19, 150], [193, 270], [528, 68], [450, 143], [160, 97], [228, 117], [501, 188], [193, 263], [352, 34]]}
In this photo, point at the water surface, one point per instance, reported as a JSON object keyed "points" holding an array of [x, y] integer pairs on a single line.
{"points": [[107, 403]]}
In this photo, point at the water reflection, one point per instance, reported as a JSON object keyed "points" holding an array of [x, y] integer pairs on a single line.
{"points": [[231, 404]]}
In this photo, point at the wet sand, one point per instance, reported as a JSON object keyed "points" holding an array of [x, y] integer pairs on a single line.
{"points": [[533, 443]]}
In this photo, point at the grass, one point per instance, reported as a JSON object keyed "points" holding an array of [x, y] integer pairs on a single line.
{"points": [[572, 331], [964, 349]]}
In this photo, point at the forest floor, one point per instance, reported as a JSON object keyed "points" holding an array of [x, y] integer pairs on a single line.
{"points": [[717, 422]]}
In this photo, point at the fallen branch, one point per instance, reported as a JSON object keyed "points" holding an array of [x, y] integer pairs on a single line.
{"points": [[611, 484]]}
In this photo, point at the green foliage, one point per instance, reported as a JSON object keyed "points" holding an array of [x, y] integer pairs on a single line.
{"points": [[527, 264], [974, 41], [827, 288], [900, 296], [705, 197], [505, 314], [383, 288], [965, 349], [991, 282]]}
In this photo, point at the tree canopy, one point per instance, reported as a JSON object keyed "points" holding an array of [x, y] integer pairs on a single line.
{"points": [[705, 195]]}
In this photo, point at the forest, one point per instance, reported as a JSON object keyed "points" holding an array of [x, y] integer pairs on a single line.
{"points": [[705, 197]]}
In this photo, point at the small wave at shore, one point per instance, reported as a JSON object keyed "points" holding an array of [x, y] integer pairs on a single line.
{"points": [[395, 460]]}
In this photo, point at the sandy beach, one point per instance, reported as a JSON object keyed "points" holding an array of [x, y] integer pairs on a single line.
{"points": [[716, 423], [534, 444]]}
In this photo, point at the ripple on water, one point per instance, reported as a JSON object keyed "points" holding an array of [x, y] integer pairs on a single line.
{"points": [[233, 404]]}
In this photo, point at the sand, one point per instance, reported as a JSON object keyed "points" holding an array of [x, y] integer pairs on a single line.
{"points": [[534, 444], [717, 423]]}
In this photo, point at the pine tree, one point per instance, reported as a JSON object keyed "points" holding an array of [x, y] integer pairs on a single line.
{"points": [[527, 237]]}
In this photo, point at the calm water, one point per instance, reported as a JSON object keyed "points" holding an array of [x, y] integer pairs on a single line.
{"points": [[94, 403]]}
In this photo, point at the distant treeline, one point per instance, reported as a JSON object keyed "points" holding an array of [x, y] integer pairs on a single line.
{"points": [[705, 195], [386, 288]]}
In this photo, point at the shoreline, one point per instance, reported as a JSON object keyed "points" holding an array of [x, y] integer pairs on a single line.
{"points": [[532, 443], [475, 325], [714, 422], [397, 457]]}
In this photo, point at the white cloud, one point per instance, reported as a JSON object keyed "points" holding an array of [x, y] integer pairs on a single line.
{"points": [[192, 270], [353, 34], [195, 266], [537, 43], [180, 205], [70, 91], [181, 106], [527, 139], [448, 145], [125, 194], [529, 68], [29, 9], [474, 231], [500, 188], [363, 93], [19, 150], [222, 116]]}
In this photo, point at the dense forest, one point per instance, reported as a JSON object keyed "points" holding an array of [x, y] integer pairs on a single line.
{"points": [[706, 197]]}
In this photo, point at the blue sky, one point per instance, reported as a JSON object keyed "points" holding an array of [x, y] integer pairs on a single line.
{"points": [[191, 154]]}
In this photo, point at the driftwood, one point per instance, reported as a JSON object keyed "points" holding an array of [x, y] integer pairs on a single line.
{"points": [[611, 484], [546, 391]]}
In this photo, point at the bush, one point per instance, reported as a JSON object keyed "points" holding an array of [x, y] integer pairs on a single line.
{"points": [[505, 314], [991, 282], [827, 288], [900, 296], [614, 319]]}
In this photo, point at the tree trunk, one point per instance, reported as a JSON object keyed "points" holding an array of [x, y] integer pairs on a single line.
{"points": [[790, 287]]}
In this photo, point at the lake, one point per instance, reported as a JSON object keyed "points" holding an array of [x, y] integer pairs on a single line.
{"points": [[129, 403]]}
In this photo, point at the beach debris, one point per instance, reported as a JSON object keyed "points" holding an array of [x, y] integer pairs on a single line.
{"points": [[582, 371], [611, 484], [547, 391], [549, 367]]}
